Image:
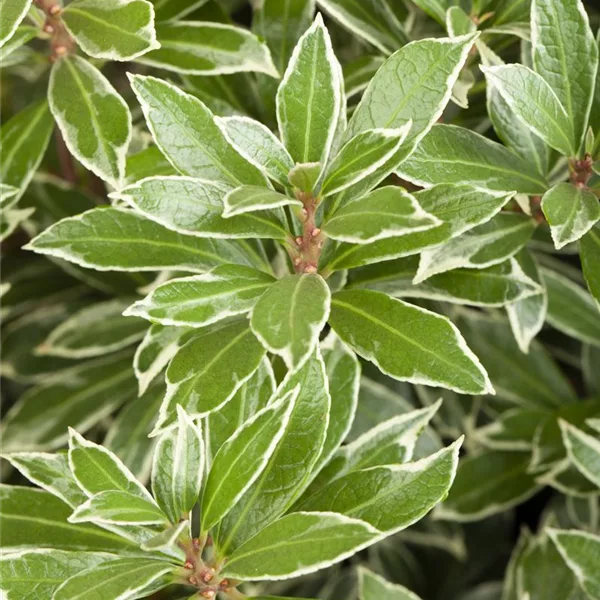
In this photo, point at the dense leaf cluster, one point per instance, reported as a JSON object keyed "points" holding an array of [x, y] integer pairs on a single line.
{"points": [[318, 281]]}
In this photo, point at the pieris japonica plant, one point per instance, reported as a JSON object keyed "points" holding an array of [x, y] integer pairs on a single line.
{"points": [[302, 301]]}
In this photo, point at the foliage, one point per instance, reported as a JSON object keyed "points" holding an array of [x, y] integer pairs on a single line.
{"points": [[300, 299]]}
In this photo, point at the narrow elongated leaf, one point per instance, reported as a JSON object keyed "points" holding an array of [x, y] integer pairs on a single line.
{"points": [[373, 587], [123, 578], [487, 484], [112, 29], [589, 251], [35, 519], [248, 199], [460, 207], [186, 133], [308, 98], [96, 469], [201, 300], [93, 331], [371, 20], [583, 450], [205, 48], [227, 354], [358, 73], [197, 209], [298, 544], [361, 156], [171, 10], [495, 286], [386, 212], [13, 12], [527, 316], [451, 154], [558, 56], [51, 472], [80, 398], [511, 371], [390, 497], [96, 239], [287, 473], [580, 551], [488, 244], [407, 342], [535, 103], [167, 538], [23, 142], [246, 402], [119, 508], [571, 212], [242, 458], [33, 574], [571, 309], [158, 347], [290, 315], [258, 145], [93, 119], [7, 193], [11, 219], [178, 467]]}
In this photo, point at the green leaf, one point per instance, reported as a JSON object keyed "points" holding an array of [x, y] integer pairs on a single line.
{"points": [[204, 48], [290, 315], [119, 508], [460, 207], [34, 574], [589, 249], [305, 176], [511, 371], [558, 56], [127, 436], [198, 208], [488, 244], [122, 578], [242, 459], [258, 145], [93, 331], [308, 98], [96, 469], [112, 29], [15, 45], [185, 131], [527, 316], [13, 12], [93, 119], [451, 154], [570, 211], [359, 72], [23, 142], [373, 587], [49, 471], [249, 199], [583, 451], [390, 497], [298, 544], [535, 103], [488, 483], [580, 551], [79, 398], [361, 156], [147, 163], [168, 10], [167, 538], [35, 519], [387, 212], [158, 347], [406, 342], [571, 309], [11, 219], [343, 373], [246, 402], [228, 354], [7, 192], [201, 300], [178, 467], [288, 471], [372, 20], [97, 238]]}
